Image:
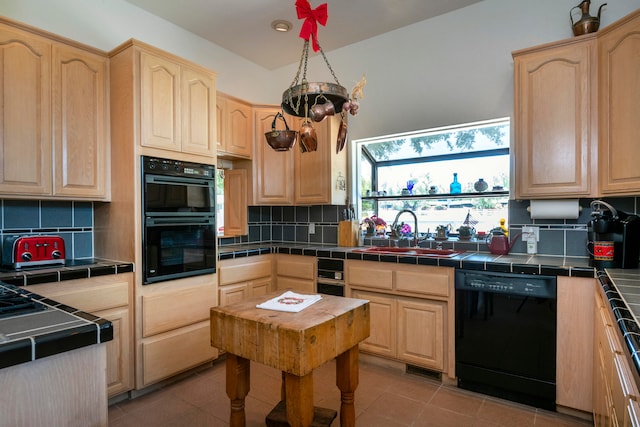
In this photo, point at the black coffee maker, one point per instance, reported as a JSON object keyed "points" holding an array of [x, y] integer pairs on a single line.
{"points": [[613, 237]]}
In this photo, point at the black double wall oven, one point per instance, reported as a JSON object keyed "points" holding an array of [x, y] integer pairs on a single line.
{"points": [[178, 222]]}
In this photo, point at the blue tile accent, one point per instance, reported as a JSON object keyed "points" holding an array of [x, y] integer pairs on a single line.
{"points": [[56, 214], [82, 214], [21, 214], [82, 245]]}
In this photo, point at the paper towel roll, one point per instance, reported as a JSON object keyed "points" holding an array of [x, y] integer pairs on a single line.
{"points": [[554, 209]]}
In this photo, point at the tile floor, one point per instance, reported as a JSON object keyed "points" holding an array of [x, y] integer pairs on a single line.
{"points": [[385, 397]]}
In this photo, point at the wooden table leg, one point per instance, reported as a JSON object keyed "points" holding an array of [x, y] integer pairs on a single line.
{"points": [[238, 382], [347, 382], [299, 399]]}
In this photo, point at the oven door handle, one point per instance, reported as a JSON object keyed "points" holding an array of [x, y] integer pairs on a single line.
{"points": [[151, 221], [177, 180]]}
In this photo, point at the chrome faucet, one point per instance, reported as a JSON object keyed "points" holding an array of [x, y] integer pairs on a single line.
{"points": [[415, 229]]}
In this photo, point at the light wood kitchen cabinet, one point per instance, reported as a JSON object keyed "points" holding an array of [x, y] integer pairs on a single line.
{"points": [[619, 102], [80, 123], [383, 323], [173, 327], [174, 103], [411, 310], [234, 127], [271, 171], [177, 105], [55, 140], [241, 278], [235, 202], [615, 391], [109, 297], [296, 178], [555, 119], [296, 272], [319, 177], [574, 360], [421, 332]]}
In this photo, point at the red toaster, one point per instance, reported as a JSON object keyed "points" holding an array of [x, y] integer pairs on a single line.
{"points": [[28, 251]]}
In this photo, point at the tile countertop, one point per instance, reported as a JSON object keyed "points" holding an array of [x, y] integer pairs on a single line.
{"points": [[56, 329], [73, 269], [622, 288], [516, 263]]}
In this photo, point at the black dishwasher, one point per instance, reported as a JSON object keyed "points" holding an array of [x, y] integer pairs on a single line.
{"points": [[506, 336]]}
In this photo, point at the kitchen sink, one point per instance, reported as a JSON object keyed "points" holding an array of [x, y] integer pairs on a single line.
{"points": [[440, 253]]}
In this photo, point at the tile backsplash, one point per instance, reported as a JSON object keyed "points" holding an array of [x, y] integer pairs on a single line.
{"points": [[291, 224], [71, 220]]}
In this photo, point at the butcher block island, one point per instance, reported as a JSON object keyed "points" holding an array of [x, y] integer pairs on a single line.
{"points": [[296, 344]]}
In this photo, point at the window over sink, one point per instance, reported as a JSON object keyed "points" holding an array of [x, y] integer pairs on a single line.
{"points": [[415, 170]]}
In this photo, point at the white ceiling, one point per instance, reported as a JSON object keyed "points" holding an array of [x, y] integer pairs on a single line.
{"points": [[244, 26]]}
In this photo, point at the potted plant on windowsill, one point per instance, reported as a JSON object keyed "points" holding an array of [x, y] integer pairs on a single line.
{"points": [[375, 225]]}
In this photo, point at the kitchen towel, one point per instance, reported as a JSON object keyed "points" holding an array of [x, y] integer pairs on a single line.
{"points": [[290, 301], [554, 209]]}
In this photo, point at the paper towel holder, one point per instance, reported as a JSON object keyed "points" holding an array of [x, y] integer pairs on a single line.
{"points": [[572, 201]]}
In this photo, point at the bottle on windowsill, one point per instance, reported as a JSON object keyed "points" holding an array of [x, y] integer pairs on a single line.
{"points": [[455, 187]]}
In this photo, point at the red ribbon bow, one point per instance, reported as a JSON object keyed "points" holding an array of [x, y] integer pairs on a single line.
{"points": [[311, 19]]}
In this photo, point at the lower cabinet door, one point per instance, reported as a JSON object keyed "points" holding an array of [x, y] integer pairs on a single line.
{"points": [[421, 332], [382, 340], [231, 294], [119, 360], [167, 354]]}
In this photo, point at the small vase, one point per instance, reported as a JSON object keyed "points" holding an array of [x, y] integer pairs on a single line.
{"points": [[455, 187], [480, 185]]}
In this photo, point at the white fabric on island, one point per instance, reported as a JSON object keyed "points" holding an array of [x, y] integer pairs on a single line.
{"points": [[290, 301]]}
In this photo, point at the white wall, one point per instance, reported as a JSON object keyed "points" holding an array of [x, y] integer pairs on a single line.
{"points": [[450, 69]]}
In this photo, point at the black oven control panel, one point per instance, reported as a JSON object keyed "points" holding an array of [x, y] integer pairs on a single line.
{"points": [[159, 166]]}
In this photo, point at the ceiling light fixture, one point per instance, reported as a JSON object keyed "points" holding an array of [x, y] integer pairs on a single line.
{"points": [[281, 25], [316, 100]]}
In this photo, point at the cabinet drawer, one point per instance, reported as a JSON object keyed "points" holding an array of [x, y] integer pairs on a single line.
{"points": [[302, 267], [243, 272], [432, 281], [297, 285], [364, 275], [177, 351], [89, 295], [170, 310]]}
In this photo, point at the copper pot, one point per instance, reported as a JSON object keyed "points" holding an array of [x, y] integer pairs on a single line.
{"points": [[319, 111], [281, 140], [308, 137]]}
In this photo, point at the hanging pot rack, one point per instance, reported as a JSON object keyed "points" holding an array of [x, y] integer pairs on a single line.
{"points": [[302, 95]]}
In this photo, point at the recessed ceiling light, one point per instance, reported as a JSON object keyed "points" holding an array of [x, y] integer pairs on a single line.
{"points": [[281, 25]]}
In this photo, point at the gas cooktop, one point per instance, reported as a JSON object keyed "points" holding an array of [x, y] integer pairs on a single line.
{"points": [[15, 304]]}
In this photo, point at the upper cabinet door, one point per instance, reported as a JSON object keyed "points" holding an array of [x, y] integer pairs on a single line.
{"points": [[160, 106], [272, 170], [80, 122], [198, 96], [25, 119], [239, 131], [235, 127], [555, 120], [320, 176], [619, 126]]}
